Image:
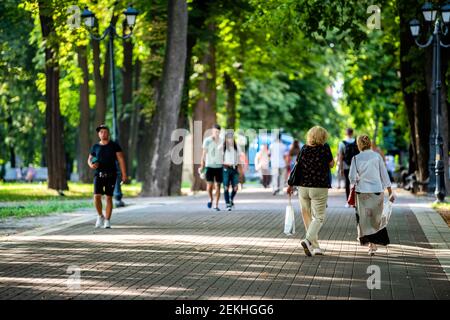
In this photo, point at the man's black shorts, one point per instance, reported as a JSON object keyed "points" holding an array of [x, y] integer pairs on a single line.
{"points": [[214, 174], [104, 185]]}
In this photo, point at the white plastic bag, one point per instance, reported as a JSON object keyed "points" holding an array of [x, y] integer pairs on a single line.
{"points": [[289, 219], [386, 215]]}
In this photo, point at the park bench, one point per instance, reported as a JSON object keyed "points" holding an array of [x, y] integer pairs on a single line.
{"points": [[10, 174], [74, 177], [41, 174]]}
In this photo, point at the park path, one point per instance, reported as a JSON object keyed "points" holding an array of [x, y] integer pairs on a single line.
{"points": [[176, 248]]}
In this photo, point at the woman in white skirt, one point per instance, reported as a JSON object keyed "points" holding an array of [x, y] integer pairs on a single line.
{"points": [[368, 172]]}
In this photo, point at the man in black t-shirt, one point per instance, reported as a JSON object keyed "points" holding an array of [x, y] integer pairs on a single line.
{"points": [[102, 158]]}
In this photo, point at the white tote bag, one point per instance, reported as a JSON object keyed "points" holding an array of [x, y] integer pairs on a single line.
{"points": [[386, 215], [289, 219]]}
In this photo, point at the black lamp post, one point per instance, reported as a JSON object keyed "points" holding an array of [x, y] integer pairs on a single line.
{"points": [[432, 16], [89, 20]]}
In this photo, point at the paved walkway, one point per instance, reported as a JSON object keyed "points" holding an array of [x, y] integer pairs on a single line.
{"points": [[178, 249]]}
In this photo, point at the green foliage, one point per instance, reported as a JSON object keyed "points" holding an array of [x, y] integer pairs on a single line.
{"points": [[294, 105], [283, 56], [373, 88], [20, 123]]}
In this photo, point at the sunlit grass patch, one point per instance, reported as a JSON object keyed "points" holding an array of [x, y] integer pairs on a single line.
{"points": [[39, 191], [39, 208], [444, 210]]}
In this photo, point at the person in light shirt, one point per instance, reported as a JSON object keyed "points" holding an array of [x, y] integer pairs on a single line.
{"points": [[262, 165], [278, 164], [212, 161], [369, 174], [232, 169]]}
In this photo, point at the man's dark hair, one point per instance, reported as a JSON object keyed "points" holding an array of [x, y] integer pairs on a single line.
{"points": [[349, 131], [102, 126], [216, 126]]}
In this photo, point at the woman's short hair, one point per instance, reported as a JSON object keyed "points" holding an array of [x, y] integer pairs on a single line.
{"points": [[364, 142], [316, 136]]}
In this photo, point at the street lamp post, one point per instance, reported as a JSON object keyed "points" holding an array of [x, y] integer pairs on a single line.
{"points": [[89, 20], [431, 15]]}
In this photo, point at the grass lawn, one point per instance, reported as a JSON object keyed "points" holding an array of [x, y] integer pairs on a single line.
{"points": [[186, 185], [35, 199], [40, 208], [38, 191]]}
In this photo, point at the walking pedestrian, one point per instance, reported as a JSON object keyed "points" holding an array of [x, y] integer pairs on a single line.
{"points": [[314, 161], [292, 155], [369, 175], [339, 176], [232, 169], [212, 160], [262, 165], [31, 173], [278, 164], [103, 158], [243, 162], [347, 150]]}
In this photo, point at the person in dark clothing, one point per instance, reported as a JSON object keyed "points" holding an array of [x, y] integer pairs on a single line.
{"points": [[347, 150], [103, 158], [314, 164]]}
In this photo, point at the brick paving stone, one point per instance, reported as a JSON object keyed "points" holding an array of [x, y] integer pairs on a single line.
{"points": [[185, 251]]}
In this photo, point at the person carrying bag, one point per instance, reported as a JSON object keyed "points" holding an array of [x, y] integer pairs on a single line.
{"points": [[312, 174], [369, 176]]}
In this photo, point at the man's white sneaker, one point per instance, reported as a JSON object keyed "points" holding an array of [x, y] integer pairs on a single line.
{"points": [[107, 224], [317, 252], [100, 221]]}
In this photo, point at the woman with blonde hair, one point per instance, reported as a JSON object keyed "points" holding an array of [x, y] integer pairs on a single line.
{"points": [[369, 175], [312, 176]]}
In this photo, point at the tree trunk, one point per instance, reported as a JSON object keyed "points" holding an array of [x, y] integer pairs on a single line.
{"points": [[417, 103], [157, 182], [445, 58], [135, 121], [422, 130], [205, 108], [176, 170], [231, 101], [12, 156], [101, 82], [54, 134], [100, 91], [127, 98], [145, 137], [444, 133], [12, 152], [85, 173], [375, 132]]}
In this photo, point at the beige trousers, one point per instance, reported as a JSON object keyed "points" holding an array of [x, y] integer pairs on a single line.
{"points": [[313, 202]]}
